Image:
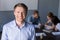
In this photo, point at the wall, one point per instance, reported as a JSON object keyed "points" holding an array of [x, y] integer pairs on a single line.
{"points": [[6, 5], [5, 16], [47, 5], [59, 10]]}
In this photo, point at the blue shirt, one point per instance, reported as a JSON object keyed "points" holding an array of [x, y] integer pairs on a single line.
{"points": [[12, 32], [34, 21]]}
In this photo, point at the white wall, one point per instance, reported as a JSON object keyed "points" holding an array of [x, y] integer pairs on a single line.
{"points": [[59, 10], [9, 4]]}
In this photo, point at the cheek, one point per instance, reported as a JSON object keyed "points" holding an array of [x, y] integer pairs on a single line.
{"points": [[16, 16]]}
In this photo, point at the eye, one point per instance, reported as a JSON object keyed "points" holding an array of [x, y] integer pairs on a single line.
{"points": [[23, 13]]}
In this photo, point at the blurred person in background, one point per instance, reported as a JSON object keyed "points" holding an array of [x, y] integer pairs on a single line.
{"points": [[56, 22], [35, 18], [49, 25]]}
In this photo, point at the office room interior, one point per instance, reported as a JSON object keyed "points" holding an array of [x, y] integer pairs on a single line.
{"points": [[43, 7]]}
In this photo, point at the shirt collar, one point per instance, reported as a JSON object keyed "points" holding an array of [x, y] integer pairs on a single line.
{"points": [[15, 25], [22, 25]]}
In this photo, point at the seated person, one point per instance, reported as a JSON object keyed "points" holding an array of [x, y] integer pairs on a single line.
{"points": [[56, 23], [49, 24], [35, 18]]}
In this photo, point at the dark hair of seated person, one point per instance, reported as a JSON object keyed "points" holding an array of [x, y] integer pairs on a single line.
{"points": [[55, 20], [50, 14], [36, 12]]}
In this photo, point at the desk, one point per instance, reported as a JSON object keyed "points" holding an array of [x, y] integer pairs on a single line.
{"points": [[56, 34], [43, 36]]}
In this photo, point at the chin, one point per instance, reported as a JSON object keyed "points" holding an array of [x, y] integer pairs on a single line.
{"points": [[21, 20]]}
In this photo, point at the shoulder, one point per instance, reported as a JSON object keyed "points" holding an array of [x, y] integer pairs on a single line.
{"points": [[30, 26], [9, 24], [58, 25]]}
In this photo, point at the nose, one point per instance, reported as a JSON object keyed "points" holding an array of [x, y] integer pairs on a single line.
{"points": [[21, 14]]}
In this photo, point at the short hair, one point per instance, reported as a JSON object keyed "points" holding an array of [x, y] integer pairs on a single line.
{"points": [[50, 14], [36, 12], [21, 5]]}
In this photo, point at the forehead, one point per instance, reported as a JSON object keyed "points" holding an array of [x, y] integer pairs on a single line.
{"points": [[19, 8]]}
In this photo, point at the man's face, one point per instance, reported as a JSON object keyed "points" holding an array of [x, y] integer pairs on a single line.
{"points": [[19, 13], [35, 15]]}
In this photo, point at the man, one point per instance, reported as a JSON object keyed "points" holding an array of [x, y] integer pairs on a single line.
{"points": [[18, 29], [35, 18]]}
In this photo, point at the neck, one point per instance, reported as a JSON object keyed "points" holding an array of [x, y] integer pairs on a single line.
{"points": [[19, 23]]}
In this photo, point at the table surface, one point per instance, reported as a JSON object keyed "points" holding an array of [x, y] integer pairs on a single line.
{"points": [[54, 33]]}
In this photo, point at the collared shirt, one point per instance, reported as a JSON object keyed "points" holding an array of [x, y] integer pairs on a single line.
{"points": [[12, 32]]}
